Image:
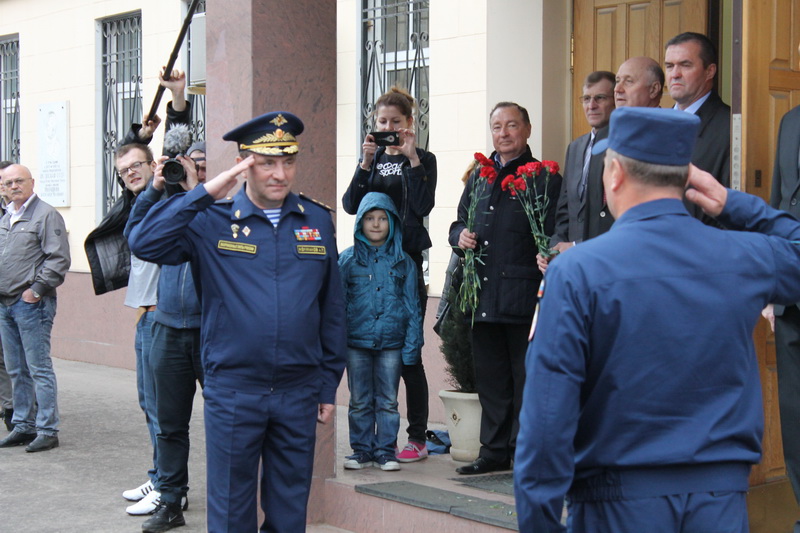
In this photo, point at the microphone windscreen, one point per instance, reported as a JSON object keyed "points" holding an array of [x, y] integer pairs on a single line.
{"points": [[177, 140]]}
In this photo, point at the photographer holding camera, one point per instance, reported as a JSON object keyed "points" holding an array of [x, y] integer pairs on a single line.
{"points": [[393, 164], [114, 267], [175, 353]]}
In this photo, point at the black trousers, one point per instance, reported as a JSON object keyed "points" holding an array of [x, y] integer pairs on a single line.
{"points": [[176, 365], [499, 354], [787, 347], [414, 378]]}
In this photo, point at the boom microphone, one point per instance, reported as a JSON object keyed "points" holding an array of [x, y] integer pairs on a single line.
{"points": [[177, 140]]}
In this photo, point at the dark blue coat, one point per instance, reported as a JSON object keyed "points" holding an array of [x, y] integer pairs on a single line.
{"points": [[380, 288], [643, 355], [273, 313]]}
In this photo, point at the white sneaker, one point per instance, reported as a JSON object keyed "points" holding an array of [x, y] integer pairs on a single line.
{"points": [[387, 463], [146, 505], [139, 492]]}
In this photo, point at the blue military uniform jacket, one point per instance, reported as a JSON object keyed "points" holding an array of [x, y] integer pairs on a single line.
{"points": [[643, 359], [273, 312]]}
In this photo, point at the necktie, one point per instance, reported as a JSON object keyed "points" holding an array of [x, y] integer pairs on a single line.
{"points": [[585, 172]]}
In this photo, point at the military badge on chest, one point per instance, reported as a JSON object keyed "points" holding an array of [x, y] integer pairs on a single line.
{"points": [[235, 231], [307, 234]]}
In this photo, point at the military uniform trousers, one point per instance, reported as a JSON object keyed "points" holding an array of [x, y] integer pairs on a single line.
{"points": [[700, 512], [243, 427]]}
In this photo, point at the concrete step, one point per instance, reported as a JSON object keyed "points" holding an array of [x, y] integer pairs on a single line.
{"points": [[371, 507]]}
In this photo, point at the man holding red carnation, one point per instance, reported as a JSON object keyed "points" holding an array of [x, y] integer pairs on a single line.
{"points": [[496, 227]]}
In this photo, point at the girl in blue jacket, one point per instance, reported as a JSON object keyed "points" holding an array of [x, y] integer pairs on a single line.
{"points": [[384, 330]]}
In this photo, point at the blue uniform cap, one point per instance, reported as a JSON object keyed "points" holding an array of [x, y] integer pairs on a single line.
{"points": [[651, 135], [273, 133]]}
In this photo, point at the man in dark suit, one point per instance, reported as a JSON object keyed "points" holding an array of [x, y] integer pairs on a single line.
{"points": [[690, 63], [785, 320], [581, 212]]}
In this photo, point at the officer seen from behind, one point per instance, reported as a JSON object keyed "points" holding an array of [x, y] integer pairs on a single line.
{"points": [[642, 399]]}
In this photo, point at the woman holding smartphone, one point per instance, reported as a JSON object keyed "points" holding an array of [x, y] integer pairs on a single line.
{"points": [[407, 174]]}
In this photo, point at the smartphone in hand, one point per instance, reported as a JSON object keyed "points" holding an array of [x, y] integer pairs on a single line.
{"points": [[386, 138]]}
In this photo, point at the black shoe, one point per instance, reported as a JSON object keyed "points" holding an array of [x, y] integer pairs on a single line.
{"points": [[482, 465], [42, 443], [17, 438], [7, 416], [166, 517]]}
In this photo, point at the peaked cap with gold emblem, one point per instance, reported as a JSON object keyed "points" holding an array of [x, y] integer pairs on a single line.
{"points": [[272, 134]]}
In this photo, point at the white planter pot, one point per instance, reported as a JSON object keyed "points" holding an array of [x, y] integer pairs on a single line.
{"points": [[463, 415]]}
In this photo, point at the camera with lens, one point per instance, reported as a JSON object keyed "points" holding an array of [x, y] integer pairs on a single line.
{"points": [[173, 171]]}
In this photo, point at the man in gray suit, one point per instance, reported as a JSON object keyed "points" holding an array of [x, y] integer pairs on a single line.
{"points": [[785, 321], [580, 196]]}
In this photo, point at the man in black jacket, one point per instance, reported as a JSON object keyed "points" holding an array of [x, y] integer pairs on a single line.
{"points": [[785, 320], [509, 280], [690, 63], [113, 267]]}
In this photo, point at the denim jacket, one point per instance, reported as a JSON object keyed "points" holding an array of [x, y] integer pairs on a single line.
{"points": [[380, 288], [178, 306]]}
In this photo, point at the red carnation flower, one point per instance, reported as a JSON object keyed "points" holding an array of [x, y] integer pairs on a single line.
{"points": [[483, 160], [519, 184], [552, 166], [489, 173]]}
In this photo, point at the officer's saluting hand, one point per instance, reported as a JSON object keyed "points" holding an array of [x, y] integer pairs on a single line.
{"points": [[222, 183]]}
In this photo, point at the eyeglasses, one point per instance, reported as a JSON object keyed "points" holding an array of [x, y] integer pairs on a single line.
{"points": [[17, 181], [598, 98], [135, 166]]}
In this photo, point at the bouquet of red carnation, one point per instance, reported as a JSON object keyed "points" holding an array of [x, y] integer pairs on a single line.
{"points": [[535, 204], [471, 286]]}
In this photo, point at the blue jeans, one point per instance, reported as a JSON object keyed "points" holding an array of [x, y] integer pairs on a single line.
{"points": [[145, 384], [373, 377], [175, 361], [25, 330], [6, 400]]}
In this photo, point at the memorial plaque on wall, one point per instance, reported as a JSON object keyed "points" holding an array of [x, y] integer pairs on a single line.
{"points": [[52, 179]]}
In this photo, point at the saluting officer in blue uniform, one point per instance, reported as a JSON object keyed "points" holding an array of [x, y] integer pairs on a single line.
{"points": [[642, 400], [272, 331]]}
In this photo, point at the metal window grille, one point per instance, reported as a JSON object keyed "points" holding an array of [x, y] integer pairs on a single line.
{"points": [[198, 101], [9, 99], [122, 95], [395, 51]]}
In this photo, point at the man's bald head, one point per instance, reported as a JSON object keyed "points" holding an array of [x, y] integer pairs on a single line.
{"points": [[640, 83], [20, 170], [18, 184]]}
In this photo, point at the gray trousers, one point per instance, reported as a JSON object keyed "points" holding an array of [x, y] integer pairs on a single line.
{"points": [[787, 348], [5, 384]]}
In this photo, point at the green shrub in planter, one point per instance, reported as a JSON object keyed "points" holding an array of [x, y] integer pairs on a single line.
{"points": [[457, 346]]}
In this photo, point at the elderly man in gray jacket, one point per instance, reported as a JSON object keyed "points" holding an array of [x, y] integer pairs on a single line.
{"points": [[34, 258]]}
